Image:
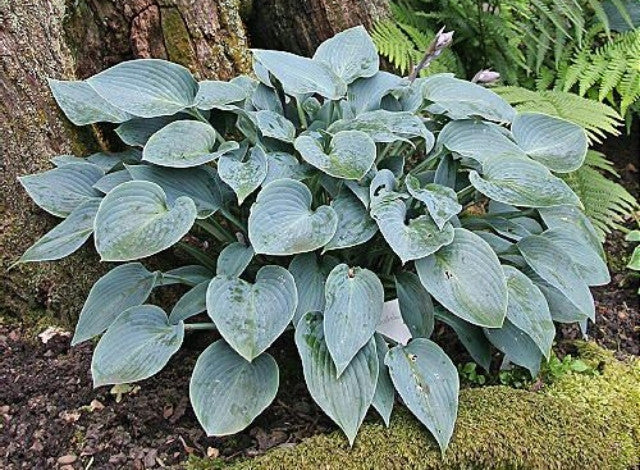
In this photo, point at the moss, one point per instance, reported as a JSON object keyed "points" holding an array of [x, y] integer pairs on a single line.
{"points": [[176, 38], [586, 422]]}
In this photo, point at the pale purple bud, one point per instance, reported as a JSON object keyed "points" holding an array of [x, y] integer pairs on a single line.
{"points": [[486, 77], [443, 39]]}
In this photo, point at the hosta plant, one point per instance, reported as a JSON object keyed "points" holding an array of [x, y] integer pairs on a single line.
{"points": [[328, 197]]}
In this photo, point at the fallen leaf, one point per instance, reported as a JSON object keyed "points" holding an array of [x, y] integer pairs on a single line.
{"points": [[52, 331]]}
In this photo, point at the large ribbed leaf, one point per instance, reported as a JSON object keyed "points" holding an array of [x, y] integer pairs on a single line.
{"points": [[244, 177], [416, 239], [227, 393], [110, 161], [365, 94], [354, 224], [66, 237], [460, 99], [137, 345], [215, 94], [467, 279], [384, 396], [61, 190], [190, 275], [345, 398], [275, 126], [282, 223], [82, 105], [284, 165], [193, 302], [234, 259], [111, 180], [471, 337], [310, 275], [350, 54], [350, 154], [135, 220], [478, 140], [415, 303], [183, 144], [428, 383], [516, 345], [146, 87], [250, 317], [199, 184], [572, 219], [521, 182], [558, 144], [300, 75], [441, 201], [353, 304], [527, 309], [556, 267], [137, 132]]}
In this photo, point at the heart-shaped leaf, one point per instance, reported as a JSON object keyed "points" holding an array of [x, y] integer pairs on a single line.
{"points": [[216, 94], [82, 105], [415, 303], [558, 144], [516, 345], [350, 156], [110, 161], [137, 345], [428, 383], [350, 54], [111, 180], [234, 259], [275, 126], [310, 275], [66, 237], [365, 94], [467, 279], [190, 275], [354, 224], [384, 396], [416, 239], [441, 201], [146, 87], [227, 393], [193, 302], [521, 182], [345, 398], [353, 305], [284, 165], [61, 190], [250, 317], [244, 177], [183, 144], [135, 221], [137, 132], [300, 75], [282, 223], [131, 282]]}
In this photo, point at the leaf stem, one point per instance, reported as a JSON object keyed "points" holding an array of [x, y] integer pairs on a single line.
{"points": [[214, 228], [200, 326], [234, 220], [301, 116]]}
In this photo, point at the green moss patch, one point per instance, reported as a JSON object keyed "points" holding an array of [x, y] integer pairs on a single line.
{"points": [[581, 421]]}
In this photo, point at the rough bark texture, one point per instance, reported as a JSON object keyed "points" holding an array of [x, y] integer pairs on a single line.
{"points": [[300, 25], [75, 39]]}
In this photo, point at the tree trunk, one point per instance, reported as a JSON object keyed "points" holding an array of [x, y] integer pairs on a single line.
{"points": [[299, 26]]}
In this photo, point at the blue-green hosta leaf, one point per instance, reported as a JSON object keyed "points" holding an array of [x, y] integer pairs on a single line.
{"points": [[215, 94], [250, 317], [365, 94], [266, 98], [496, 242], [527, 309], [354, 224], [447, 172], [66, 237], [353, 305], [284, 165], [558, 144], [124, 286], [350, 54], [402, 124], [344, 398], [572, 219], [467, 279], [300, 75], [590, 266], [282, 222], [227, 393], [522, 182], [441, 201], [190, 275], [61, 190], [478, 140], [310, 275], [146, 87], [183, 144], [137, 345], [415, 303], [428, 383], [274, 125], [461, 99], [382, 184], [516, 345], [199, 184], [562, 309], [61, 160], [135, 221], [385, 395], [507, 228], [109, 161], [556, 267], [234, 259], [351, 154], [471, 337], [416, 239], [244, 177], [137, 132], [82, 105], [111, 180], [193, 302]]}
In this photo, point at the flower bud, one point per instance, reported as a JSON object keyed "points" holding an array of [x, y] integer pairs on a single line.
{"points": [[486, 77]]}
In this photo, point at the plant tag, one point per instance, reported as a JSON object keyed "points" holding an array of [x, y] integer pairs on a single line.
{"points": [[391, 323]]}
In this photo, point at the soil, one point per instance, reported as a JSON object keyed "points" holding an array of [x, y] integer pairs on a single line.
{"points": [[51, 417]]}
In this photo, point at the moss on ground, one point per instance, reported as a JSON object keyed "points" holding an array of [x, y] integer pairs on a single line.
{"points": [[579, 422]]}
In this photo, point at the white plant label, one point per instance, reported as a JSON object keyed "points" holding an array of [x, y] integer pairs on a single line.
{"points": [[391, 323]]}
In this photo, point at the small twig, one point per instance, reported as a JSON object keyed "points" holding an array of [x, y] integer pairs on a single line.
{"points": [[439, 43]]}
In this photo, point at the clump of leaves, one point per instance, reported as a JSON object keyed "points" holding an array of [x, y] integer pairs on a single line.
{"points": [[312, 195]]}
